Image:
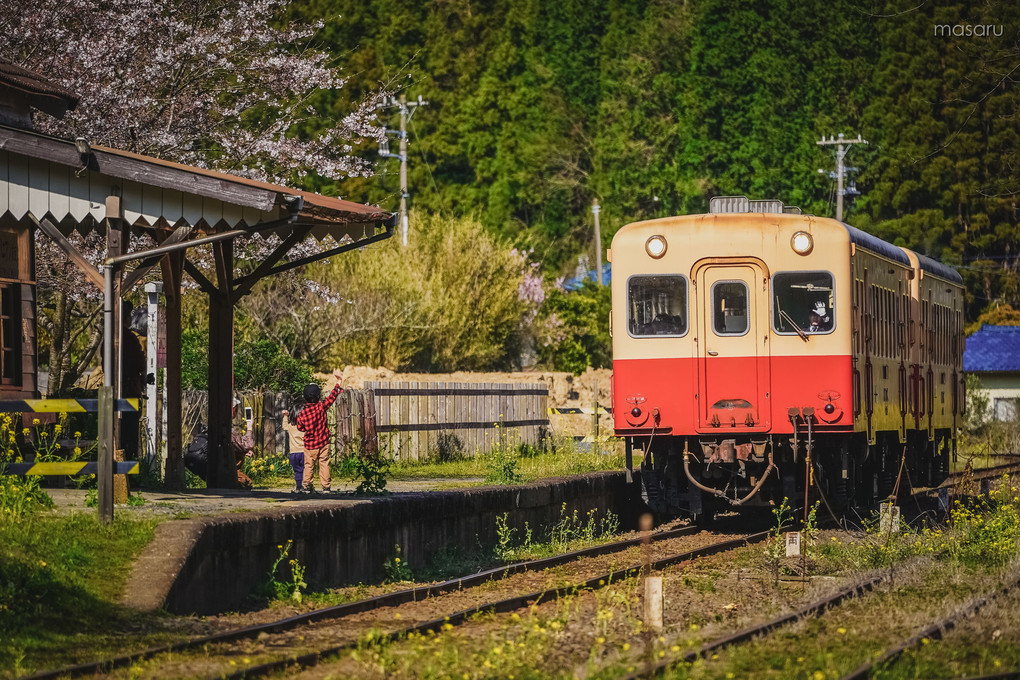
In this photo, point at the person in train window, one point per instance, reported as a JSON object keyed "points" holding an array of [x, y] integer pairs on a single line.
{"points": [[819, 320]]}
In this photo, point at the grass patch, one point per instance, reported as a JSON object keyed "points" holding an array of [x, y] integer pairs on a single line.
{"points": [[60, 578], [511, 463], [526, 463]]}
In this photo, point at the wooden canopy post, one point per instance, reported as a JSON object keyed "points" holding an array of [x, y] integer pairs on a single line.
{"points": [[172, 266], [221, 472]]}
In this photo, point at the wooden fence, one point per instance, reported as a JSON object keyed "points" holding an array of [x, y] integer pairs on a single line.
{"points": [[417, 421], [405, 420], [351, 420]]}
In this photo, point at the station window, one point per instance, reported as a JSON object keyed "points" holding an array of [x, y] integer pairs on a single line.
{"points": [[729, 304], [802, 301], [10, 335], [657, 305]]}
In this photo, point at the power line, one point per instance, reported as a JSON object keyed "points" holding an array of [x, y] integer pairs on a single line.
{"points": [[406, 110], [842, 148]]}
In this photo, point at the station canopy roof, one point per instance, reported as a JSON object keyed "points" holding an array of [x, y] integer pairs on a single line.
{"points": [[68, 182]]}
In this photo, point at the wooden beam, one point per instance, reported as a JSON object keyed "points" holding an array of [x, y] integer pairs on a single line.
{"points": [[146, 265], [91, 273], [194, 272], [330, 253], [141, 169], [244, 284]]}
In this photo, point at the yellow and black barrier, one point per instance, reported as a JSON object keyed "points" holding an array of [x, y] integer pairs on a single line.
{"points": [[59, 469], [585, 410], [64, 405]]}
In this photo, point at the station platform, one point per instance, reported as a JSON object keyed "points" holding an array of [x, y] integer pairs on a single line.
{"points": [[206, 502], [216, 547]]}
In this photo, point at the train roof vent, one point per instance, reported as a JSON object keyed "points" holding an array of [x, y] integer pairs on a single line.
{"points": [[742, 204]]}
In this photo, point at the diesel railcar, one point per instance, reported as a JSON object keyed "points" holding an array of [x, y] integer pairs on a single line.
{"points": [[758, 351]]}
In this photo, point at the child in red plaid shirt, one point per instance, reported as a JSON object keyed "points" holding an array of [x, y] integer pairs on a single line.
{"points": [[312, 422]]}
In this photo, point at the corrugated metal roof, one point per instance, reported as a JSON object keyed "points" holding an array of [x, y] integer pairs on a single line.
{"points": [[993, 349]]}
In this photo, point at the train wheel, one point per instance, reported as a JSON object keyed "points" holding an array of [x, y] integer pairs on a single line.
{"points": [[709, 508]]}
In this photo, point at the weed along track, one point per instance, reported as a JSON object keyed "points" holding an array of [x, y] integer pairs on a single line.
{"points": [[934, 631], [426, 622], [756, 631], [596, 556]]}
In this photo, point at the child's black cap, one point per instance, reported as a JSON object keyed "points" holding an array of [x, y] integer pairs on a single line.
{"points": [[312, 393]]}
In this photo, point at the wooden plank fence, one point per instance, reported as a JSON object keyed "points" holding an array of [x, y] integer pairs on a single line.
{"points": [[405, 420], [419, 420]]}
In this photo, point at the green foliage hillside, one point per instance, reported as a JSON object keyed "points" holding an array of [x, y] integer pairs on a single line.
{"points": [[653, 106]]}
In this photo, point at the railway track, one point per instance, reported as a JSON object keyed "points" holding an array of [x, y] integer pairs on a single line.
{"points": [[495, 606], [339, 611], [978, 474], [933, 631], [816, 608]]}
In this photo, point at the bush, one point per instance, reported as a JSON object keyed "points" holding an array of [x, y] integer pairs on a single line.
{"points": [[573, 329], [261, 470], [194, 359], [20, 497], [258, 365], [448, 301], [263, 365]]}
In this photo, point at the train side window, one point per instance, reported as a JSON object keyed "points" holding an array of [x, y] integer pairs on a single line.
{"points": [[729, 305], [804, 301], [657, 305]]}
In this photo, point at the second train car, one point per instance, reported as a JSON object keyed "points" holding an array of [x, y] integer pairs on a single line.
{"points": [[753, 339]]}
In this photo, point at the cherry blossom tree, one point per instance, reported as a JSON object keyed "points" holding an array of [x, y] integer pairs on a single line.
{"points": [[224, 84]]}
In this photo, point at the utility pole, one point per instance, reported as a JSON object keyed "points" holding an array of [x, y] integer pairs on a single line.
{"points": [[406, 110], [595, 210], [842, 148]]}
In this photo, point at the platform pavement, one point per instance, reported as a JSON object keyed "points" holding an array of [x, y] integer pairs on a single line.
{"points": [[195, 502]]}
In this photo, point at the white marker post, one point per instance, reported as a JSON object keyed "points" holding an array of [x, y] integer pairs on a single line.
{"points": [[152, 413]]}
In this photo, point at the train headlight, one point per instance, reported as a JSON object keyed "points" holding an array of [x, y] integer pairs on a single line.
{"points": [[656, 246], [802, 243]]}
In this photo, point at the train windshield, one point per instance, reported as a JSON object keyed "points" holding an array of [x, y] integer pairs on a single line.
{"points": [[657, 305], [802, 302]]}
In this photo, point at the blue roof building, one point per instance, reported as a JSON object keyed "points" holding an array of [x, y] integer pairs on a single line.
{"points": [[993, 354], [576, 282]]}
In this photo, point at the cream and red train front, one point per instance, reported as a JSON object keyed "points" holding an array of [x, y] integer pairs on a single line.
{"points": [[722, 323]]}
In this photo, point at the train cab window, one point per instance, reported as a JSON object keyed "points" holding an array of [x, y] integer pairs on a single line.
{"points": [[729, 305], [657, 305], [802, 301]]}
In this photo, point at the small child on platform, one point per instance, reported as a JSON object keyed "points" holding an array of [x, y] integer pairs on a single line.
{"points": [[312, 423], [297, 462]]}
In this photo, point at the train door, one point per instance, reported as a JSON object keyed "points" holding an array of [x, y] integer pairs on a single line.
{"points": [[733, 366]]}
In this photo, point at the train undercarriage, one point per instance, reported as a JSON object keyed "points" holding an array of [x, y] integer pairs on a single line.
{"points": [[700, 476]]}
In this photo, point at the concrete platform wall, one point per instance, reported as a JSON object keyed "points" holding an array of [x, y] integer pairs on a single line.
{"points": [[211, 565]]}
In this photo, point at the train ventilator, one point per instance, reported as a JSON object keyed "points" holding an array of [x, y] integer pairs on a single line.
{"points": [[758, 351]]}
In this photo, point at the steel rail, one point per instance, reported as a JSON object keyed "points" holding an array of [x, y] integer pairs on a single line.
{"points": [[388, 600], [813, 609], [932, 632], [979, 473], [498, 606]]}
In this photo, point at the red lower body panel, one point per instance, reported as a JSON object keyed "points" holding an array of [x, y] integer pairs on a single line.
{"points": [[731, 396]]}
